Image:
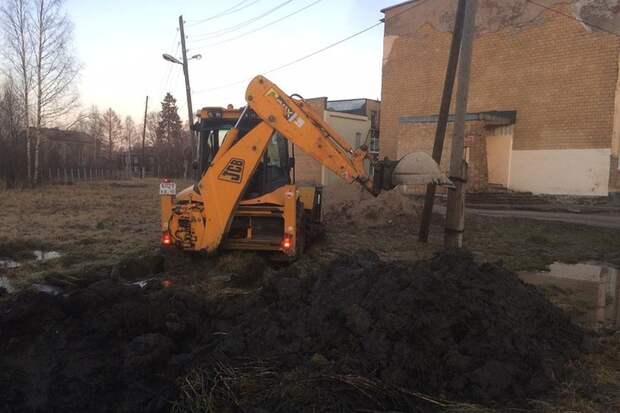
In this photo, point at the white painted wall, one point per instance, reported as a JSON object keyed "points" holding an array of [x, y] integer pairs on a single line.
{"points": [[561, 171]]}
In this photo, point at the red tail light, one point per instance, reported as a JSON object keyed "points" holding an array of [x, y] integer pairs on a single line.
{"points": [[287, 242], [166, 239]]}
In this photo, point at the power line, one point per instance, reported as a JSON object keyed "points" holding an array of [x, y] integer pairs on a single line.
{"points": [[417, 4], [242, 24], [579, 19], [261, 27], [299, 59], [171, 67], [233, 9], [166, 77]]}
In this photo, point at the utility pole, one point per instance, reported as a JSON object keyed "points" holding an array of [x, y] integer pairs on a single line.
{"points": [[143, 163], [455, 214], [190, 112], [444, 113]]}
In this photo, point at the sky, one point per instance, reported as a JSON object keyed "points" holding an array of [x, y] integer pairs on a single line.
{"points": [[120, 43]]}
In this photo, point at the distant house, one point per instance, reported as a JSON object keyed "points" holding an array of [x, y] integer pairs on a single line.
{"points": [[544, 102], [67, 149], [133, 161], [356, 120]]}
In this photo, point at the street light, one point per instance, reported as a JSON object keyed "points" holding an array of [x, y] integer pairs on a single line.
{"points": [[173, 59]]}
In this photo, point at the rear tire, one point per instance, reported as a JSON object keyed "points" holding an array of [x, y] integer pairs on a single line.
{"points": [[300, 245]]}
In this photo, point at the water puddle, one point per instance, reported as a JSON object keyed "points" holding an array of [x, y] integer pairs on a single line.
{"points": [[37, 255], [40, 255], [7, 285], [8, 263], [47, 289], [590, 291]]}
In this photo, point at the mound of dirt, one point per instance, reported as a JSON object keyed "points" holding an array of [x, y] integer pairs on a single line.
{"points": [[367, 210], [360, 333]]}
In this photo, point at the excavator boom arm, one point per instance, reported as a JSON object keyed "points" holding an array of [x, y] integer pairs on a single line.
{"points": [[298, 123]]}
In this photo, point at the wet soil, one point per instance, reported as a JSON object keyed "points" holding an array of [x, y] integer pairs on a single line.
{"points": [[356, 333]]}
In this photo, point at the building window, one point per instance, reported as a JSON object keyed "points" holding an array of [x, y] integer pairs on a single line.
{"points": [[358, 139], [374, 141]]}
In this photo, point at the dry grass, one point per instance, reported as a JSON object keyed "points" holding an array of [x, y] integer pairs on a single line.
{"points": [[89, 223]]}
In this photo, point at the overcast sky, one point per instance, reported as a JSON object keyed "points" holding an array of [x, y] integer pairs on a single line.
{"points": [[120, 44]]}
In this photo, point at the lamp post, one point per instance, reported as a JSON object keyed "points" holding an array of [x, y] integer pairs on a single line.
{"points": [[190, 112]]}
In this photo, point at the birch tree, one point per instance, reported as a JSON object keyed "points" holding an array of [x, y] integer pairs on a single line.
{"points": [[112, 125], [10, 119], [130, 136], [55, 67], [17, 52]]}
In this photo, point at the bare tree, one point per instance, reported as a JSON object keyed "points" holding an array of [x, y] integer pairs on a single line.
{"points": [[130, 131], [96, 129], [10, 119], [112, 125], [15, 23], [130, 135], [10, 113], [55, 67], [79, 122], [151, 128]]}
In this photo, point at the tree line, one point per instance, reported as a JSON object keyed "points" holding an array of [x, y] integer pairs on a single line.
{"points": [[39, 70]]}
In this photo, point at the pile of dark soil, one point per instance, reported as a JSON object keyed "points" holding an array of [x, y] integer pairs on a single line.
{"points": [[360, 333]]}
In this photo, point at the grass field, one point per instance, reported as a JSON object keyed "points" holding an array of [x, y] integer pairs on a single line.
{"points": [[103, 222]]}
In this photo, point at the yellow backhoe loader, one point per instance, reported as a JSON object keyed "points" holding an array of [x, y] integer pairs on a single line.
{"points": [[247, 199]]}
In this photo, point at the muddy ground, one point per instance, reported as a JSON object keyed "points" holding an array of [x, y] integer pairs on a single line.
{"points": [[447, 327], [339, 330]]}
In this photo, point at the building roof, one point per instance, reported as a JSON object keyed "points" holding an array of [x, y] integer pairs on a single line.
{"points": [[353, 106], [402, 3], [60, 135], [346, 105]]}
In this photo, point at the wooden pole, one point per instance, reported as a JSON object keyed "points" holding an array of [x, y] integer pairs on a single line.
{"points": [[188, 92], [142, 163], [444, 113], [455, 213]]}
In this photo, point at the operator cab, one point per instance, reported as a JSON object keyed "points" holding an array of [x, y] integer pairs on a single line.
{"points": [[214, 123], [274, 169]]}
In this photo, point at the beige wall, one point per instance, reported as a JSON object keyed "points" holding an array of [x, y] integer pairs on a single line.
{"points": [[347, 126], [562, 172], [308, 170], [499, 155]]}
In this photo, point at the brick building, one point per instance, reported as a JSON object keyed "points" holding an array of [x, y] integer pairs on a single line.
{"points": [[544, 103]]}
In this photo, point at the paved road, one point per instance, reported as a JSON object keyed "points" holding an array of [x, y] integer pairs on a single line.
{"points": [[595, 220]]}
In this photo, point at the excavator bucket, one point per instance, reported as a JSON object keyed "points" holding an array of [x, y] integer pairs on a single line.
{"points": [[418, 168]]}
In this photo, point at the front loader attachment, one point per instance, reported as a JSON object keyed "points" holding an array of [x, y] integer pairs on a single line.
{"points": [[416, 168]]}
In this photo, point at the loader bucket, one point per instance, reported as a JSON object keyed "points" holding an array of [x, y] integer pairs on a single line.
{"points": [[418, 168]]}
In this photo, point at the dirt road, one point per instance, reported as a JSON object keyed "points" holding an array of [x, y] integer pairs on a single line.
{"points": [[602, 220]]}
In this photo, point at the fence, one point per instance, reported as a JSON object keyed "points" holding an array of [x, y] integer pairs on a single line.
{"points": [[72, 175]]}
